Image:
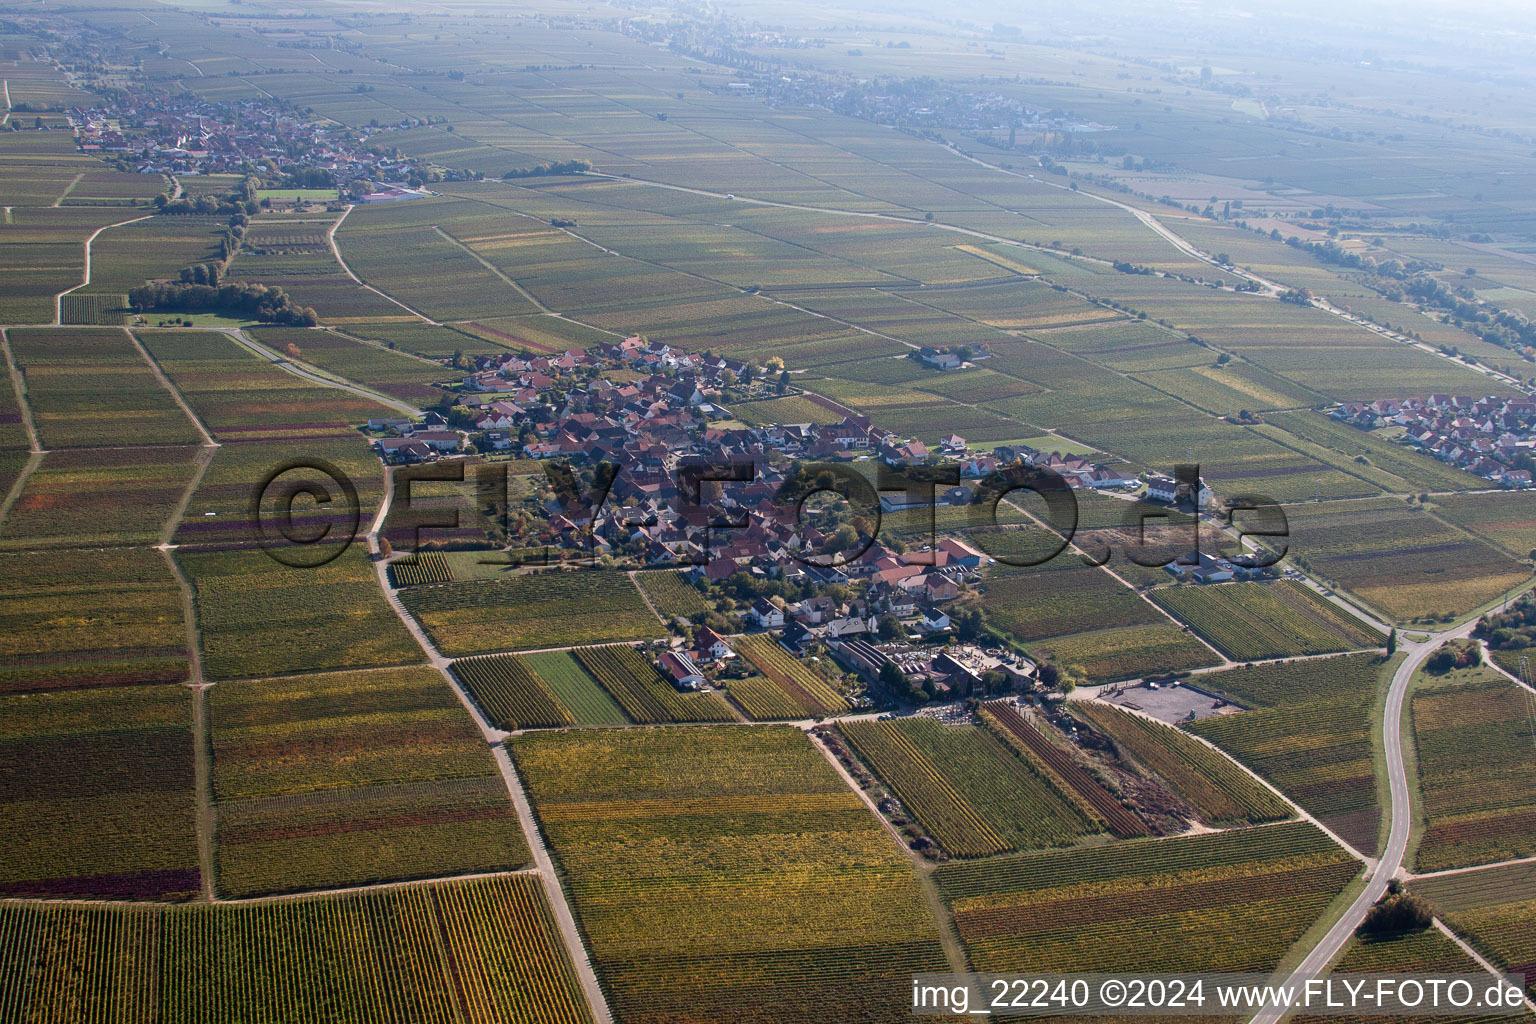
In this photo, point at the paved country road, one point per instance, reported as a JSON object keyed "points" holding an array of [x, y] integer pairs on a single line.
{"points": [[1399, 815]]}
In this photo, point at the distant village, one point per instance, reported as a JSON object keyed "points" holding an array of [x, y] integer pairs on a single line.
{"points": [[156, 131], [1491, 437]]}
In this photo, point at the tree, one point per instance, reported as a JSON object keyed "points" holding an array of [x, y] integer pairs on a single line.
{"points": [[893, 677], [783, 384], [292, 350], [968, 623], [890, 628], [727, 379], [1443, 660], [1392, 642]]}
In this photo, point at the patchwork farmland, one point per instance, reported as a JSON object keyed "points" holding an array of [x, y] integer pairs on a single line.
{"points": [[618, 746]]}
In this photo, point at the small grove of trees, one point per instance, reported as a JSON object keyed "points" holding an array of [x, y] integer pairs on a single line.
{"points": [[1455, 654], [241, 199], [1512, 629], [559, 167], [1396, 913], [256, 301]]}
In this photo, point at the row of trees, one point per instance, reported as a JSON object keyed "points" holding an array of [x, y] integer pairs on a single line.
{"points": [[256, 301], [559, 167]]}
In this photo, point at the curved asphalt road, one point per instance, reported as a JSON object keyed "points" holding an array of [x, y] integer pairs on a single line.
{"points": [[1400, 817]]}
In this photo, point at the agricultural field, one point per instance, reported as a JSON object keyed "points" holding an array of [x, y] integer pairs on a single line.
{"points": [[643, 692], [106, 310], [576, 690], [420, 338], [510, 693], [671, 595], [241, 396], [1066, 772], [1399, 559], [392, 373], [115, 188], [424, 567], [155, 248], [530, 611], [804, 688], [13, 428], [99, 497], [1058, 598], [1478, 800], [1107, 655], [1386, 462], [1228, 901], [1308, 729], [1425, 952], [790, 409], [91, 388], [219, 512], [762, 700], [971, 792], [815, 916], [427, 269], [39, 166], [482, 951], [534, 333], [725, 871], [350, 778], [97, 788], [1250, 621], [260, 617], [1502, 519], [134, 632], [1492, 910], [1219, 791]]}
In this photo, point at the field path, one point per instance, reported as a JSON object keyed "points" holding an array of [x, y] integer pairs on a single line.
{"points": [[1501, 670], [21, 395], [1466, 871], [181, 400], [202, 774], [298, 371], [1399, 818], [949, 938], [68, 189], [493, 268], [1151, 222], [58, 300], [561, 909], [35, 447], [1270, 288], [5, 88], [330, 238]]}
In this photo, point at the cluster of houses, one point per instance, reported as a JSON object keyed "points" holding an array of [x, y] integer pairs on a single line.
{"points": [[169, 132], [1492, 437], [654, 412], [413, 441], [656, 422]]}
